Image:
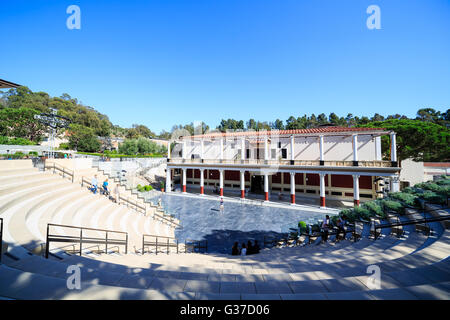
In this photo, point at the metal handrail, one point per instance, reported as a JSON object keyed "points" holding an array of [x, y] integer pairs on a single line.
{"points": [[135, 204], [168, 244], [58, 167], [1, 238], [80, 239], [425, 221], [195, 244]]}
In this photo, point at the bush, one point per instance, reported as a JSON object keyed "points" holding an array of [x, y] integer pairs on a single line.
{"points": [[408, 199], [349, 213], [144, 188], [433, 197], [362, 213], [16, 141], [375, 208], [390, 205], [33, 153]]}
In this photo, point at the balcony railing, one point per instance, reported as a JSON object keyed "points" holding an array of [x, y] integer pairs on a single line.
{"points": [[284, 162]]}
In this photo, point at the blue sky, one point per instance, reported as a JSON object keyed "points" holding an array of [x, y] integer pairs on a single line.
{"points": [[169, 62]]}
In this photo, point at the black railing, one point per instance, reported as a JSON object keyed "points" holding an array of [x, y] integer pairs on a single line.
{"points": [[60, 168], [159, 242], [1, 239], [195, 245], [424, 221], [80, 239]]}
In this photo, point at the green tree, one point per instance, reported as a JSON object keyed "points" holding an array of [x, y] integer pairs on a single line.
{"points": [[422, 141], [83, 139], [20, 123]]}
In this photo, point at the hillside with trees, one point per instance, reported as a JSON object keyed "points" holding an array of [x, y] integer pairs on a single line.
{"points": [[423, 138]]}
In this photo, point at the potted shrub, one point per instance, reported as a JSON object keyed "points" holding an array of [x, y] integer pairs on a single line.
{"points": [[161, 184]]}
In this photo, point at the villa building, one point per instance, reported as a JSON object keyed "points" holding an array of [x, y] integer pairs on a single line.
{"points": [[327, 162]]}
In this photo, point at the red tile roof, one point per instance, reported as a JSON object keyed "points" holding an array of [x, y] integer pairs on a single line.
{"points": [[318, 131]]}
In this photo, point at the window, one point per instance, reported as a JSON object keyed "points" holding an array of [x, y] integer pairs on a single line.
{"points": [[284, 153], [248, 154], [273, 153], [279, 145]]}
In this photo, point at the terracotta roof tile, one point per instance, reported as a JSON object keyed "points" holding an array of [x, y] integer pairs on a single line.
{"points": [[288, 132]]}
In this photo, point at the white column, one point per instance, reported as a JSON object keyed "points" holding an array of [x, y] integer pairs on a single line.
{"points": [[266, 149], [184, 179], [202, 181], [242, 184], [266, 187], [221, 182], [356, 189], [292, 148], [378, 148], [393, 147], [242, 149], [202, 150], [221, 148], [355, 147], [322, 189], [168, 150], [321, 148], [168, 180], [184, 151], [292, 187]]}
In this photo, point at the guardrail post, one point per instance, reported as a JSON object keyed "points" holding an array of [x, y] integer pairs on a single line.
{"points": [[81, 239], [156, 245], [185, 247], [126, 243], [106, 244], [167, 245], [143, 237], [47, 244], [177, 246]]}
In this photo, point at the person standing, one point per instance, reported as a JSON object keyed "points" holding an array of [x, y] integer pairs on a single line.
{"points": [[117, 193], [221, 207]]}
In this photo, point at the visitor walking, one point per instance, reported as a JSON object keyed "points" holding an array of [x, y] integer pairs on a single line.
{"points": [[117, 194], [94, 184], [221, 207], [105, 187]]}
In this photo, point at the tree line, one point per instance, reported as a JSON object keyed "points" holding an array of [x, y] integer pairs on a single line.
{"points": [[423, 138]]}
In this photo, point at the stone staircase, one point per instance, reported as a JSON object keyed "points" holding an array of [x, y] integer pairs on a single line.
{"points": [[414, 266]]}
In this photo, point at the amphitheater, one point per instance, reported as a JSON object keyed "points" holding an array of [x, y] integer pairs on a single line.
{"points": [[413, 266]]}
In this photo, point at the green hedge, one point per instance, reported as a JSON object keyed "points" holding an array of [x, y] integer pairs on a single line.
{"points": [[144, 188], [114, 155], [16, 141]]}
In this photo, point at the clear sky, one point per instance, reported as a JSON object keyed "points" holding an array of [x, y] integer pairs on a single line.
{"points": [[167, 62]]}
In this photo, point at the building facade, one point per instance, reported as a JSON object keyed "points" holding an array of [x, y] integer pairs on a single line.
{"points": [[327, 162]]}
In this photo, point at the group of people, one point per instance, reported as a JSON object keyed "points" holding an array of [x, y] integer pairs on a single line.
{"points": [[104, 189], [245, 249], [327, 226]]}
